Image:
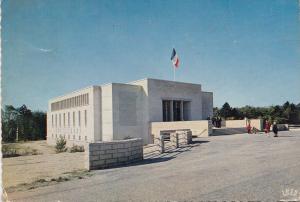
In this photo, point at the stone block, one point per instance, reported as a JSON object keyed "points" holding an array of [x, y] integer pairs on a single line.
{"points": [[122, 150], [120, 146], [98, 163], [110, 161], [95, 158], [111, 151], [122, 159], [106, 156], [107, 146]]}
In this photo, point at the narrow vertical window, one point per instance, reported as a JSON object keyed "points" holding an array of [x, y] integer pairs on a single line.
{"points": [[85, 118], [79, 118], [69, 119], [87, 100], [73, 118], [59, 119], [55, 120], [52, 120], [64, 119]]}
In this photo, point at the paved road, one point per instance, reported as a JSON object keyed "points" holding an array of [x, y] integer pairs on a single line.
{"points": [[233, 167]]}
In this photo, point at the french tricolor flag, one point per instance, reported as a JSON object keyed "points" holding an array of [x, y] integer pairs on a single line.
{"points": [[175, 59]]}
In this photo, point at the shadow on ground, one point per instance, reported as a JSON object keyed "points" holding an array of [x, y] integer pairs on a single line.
{"points": [[170, 153]]}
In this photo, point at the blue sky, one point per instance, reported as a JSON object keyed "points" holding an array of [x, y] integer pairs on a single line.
{"points": [[246, 52]]}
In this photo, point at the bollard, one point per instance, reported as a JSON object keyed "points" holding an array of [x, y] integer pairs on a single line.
{"points": [[162, 144], [177, 140]]}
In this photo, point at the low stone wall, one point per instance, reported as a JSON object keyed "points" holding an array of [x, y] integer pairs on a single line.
{"points": [[109, 154], [201, 128], [257, 123], [181, 138]]}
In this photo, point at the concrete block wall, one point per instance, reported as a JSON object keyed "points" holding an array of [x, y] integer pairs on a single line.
{"points": [[257, 123], [101, 155], [201, 128], [181, 138]]}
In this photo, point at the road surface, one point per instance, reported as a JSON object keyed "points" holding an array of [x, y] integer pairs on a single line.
{"points": [[221, 168]]}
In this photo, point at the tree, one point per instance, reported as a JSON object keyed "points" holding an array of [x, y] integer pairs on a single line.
{"points": [[225, 110], [22, 124]]}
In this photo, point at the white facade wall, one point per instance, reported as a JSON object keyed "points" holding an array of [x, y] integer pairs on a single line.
{"points": [[159, 90], [107, 113], [207, 105], [118, 111], [66, 122]]}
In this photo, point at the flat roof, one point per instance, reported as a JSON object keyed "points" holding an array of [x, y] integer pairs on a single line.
{"points": [[106, 84]]}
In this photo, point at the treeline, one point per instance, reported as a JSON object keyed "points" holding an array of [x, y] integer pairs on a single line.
{"points": [[21, 124], [286, 113]]}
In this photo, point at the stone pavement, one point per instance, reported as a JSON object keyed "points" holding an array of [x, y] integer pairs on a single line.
{"points": [[233, 167]]}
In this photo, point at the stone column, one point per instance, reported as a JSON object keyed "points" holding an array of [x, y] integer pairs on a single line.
{"points": [[171, 111], [181, 110]]}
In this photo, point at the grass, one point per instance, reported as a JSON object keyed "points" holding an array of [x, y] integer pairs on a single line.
{"points": [[79, 174], [76, 148], [15, 149]]}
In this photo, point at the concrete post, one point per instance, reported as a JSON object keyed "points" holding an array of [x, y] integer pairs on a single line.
{"points": [[162, 143], [177, 140]]}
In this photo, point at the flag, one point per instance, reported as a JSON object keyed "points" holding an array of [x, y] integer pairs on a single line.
{"points": [[175, 59]]}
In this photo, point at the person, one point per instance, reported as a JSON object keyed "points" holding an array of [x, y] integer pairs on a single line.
{"points": [[254, 130], [249, 128], [267, 127], [275, 129], [214, 121]]}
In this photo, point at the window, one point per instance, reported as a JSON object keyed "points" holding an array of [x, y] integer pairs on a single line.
{"points": [[75, 101], [85, 117], [78, 118], [166, 110], [55, 120], [73, 118], [69, 119], [52, 120], [85, 138], [177, 110], [59, 119], [64, 119]]}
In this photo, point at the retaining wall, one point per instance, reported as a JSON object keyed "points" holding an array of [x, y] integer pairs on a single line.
{"points": [[181, 138], [257, 123], [201, 128], [110, 154]]}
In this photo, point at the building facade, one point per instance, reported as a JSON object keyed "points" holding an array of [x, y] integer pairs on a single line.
{"points": [[118, 111]]}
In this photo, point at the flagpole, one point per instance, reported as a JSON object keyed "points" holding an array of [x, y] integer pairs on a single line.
{"points": [[174, 73]]}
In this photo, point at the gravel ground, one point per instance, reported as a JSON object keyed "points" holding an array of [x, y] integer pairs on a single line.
{"points": [[27, 169], [222, 168]]}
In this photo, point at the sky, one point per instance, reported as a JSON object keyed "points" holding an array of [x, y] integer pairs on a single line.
{"points": [[245, 52]]}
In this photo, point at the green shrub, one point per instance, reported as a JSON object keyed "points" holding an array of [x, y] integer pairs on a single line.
{"points": [[76, 148], [9, 152], [60, 144]]}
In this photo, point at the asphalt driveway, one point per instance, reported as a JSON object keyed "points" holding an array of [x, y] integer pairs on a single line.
{"points": [[234, 167]]}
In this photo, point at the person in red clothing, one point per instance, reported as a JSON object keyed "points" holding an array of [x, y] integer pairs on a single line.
{"points": [[249, 128], [267, 127]]}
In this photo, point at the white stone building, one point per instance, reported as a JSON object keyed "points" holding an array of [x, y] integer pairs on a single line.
{"points": [[117, 111]]}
